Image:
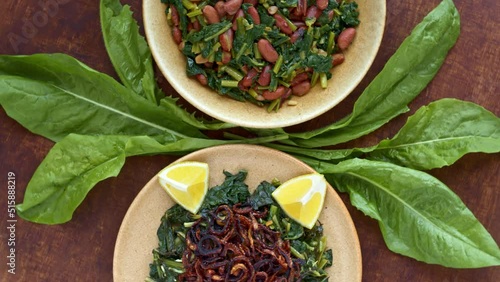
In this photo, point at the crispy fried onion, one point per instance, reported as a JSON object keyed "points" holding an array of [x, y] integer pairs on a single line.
{"points": [[230, 244]]}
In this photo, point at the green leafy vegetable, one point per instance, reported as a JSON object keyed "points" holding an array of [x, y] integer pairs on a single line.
{"points": [[128, 50], [132, 60], [418, 215], [441, 133], [262, 196], [55, 95], [407, 72], [232, 191], [436, 135], [78, 162], [307, 245]]}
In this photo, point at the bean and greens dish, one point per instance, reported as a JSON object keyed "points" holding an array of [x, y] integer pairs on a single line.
{"points": [[238, 236], [262, 51]]}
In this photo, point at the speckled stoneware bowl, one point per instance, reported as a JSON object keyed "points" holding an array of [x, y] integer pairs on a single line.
{"points": [[346, 77], [137, 236]]}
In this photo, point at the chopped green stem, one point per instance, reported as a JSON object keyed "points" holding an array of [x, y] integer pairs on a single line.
{"points": [[253, 93], [243, 48], [256, 52], [290, 23], [233, 73], [215, 35], [274, 105], [201, 20], [278, 64], [188, 4], [229, 83], [323, 80], [331, 43], [284, 83], [314, 78], [296, 253], [195, 13]]}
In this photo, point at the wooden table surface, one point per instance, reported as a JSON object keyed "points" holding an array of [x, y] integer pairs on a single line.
{"points": [[82, 249]]}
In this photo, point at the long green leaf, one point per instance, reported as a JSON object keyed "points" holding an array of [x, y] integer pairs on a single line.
{"points": [[132, 60], [436, 135], [54, 95], [76, 163], [418, 215], [405, 75], [441, 133], [128, 50]]}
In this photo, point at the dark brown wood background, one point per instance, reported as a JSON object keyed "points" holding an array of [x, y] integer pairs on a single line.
{"points": [[82, 250]]}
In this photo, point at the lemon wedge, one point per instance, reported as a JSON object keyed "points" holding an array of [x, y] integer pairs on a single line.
{"points": [[186, 183], [302, 198]]}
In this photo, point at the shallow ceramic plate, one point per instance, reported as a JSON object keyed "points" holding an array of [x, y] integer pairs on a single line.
{"points": [[137, 236], [346, 77]]}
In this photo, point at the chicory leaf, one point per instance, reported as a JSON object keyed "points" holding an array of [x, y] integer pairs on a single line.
{"points": [[436, 135], [68, 172], [132, 60], [439, 134], [54, 95], [419, 216], [405, 75], [128, 50], [78, 162]]}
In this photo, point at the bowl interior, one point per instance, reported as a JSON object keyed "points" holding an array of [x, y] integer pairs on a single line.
{"points": [[137, 236], [346, 77]]}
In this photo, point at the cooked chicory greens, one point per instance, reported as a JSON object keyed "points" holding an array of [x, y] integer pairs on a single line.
{"points": [[262, 51], [305, 247]]}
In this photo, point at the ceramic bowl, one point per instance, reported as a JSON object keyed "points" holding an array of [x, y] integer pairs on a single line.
{"points": [[346, 76], [137, 236]]}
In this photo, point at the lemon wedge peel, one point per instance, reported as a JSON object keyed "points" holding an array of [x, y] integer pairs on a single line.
{"points": [[186, 183], [302, 198]]}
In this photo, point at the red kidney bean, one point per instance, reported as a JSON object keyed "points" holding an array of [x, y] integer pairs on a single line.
{"points": [[322, 4], [346, 37], [267, 50], [226, 57], [244, 69], [294, 14], [226, 40], [253, 2], [177, 34], [232, 6], [174, 15], [282, 24], [299, 24], [301, 7], [330, 14], [202, 79], [313, 12], [271, 95], [254, 14], [211, 14], [287, 94], [299, 78], [248, 79], [265, 76], [239, 14], [297, 34], [219, 7], [302, 88], [196, 25], [337, 59]]}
